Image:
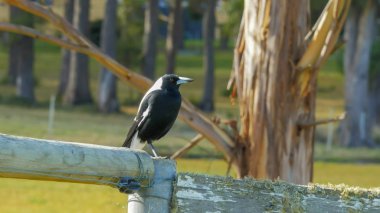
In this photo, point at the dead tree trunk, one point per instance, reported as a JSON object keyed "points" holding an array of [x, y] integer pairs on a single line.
{"points": [[274, 78], [359, 35], [66, 54], [173, 37], [107, 86], [271, 104], [77, 91], [150, 38], [208, 24], [21, 57]]}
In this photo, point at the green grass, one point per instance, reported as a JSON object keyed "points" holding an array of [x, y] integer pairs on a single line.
{"points": [[38, 196]]}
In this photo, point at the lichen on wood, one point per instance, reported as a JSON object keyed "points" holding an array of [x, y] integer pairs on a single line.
{"points": [[201, 193]]}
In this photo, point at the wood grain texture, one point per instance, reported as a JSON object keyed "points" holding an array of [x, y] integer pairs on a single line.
{"points": [[199, 193], [39, 159], [276, 61]]}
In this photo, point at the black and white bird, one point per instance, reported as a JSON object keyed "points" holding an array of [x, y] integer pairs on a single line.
{"points": [[157, 112]]}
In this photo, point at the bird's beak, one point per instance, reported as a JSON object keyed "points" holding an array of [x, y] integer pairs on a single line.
{"points": [[183, 80]]}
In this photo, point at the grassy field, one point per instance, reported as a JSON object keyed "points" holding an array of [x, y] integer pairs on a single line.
{"points": [[84, 124]]}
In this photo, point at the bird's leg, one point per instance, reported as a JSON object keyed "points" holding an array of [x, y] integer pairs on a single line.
{"points": [[152, 148]]}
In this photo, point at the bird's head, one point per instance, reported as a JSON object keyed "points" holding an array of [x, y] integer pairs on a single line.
{"points": [[171, 81]]}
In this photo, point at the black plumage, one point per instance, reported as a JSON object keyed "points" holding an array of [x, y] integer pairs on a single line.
{"points": [[157, 112]]}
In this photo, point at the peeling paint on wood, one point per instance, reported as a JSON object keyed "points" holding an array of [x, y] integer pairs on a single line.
{"points": [[200, 193]]}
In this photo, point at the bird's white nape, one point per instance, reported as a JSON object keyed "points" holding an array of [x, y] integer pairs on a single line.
{"points": [[156, 86]]}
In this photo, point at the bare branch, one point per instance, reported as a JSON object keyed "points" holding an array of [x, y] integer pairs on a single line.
{"points": [[324, 121], [48, 14], [187, 147], [323, 40], [47, 38]]}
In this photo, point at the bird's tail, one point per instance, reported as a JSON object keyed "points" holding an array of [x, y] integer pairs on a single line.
{"points": [[132, 141], [131, 134]]}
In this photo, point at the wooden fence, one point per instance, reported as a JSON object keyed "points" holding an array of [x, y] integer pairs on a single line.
{"points": [[154, 186]]}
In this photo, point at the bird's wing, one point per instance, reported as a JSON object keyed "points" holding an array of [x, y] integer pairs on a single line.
{"points": [[138, 121]]}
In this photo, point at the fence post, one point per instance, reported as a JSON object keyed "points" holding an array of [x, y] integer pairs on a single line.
{"points": [[156, 198]]}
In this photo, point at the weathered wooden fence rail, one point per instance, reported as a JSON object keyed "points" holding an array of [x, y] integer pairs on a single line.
{"points": [[126, 169], [29, 158], [199, 193], [154, 186]]}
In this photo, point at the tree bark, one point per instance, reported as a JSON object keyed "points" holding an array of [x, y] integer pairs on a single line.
{"points": [[77, 91], [375, 101], [208, 24], [173, 37], [66, 54], [107, 86], [25, 81], [273, 143], [359, 34], [14, 48], [21, 60], [150, 39]]}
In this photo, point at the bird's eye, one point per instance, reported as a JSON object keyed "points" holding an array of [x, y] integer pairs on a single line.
{"points": [[171, 79]]}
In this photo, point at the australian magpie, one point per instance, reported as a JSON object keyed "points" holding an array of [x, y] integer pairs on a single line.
{"points": [[157, 112]]}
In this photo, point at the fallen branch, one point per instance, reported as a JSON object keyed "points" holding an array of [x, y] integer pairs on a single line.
{"points": [[324, 121], [43, 37], [187, 147]]}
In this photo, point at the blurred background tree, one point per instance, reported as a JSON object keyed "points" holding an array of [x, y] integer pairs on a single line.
{"points": [[66, 54], [359, 36], [208, 27], [150, 38], [21, 57], [107, 97], [174, 34], [77, 90]]}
